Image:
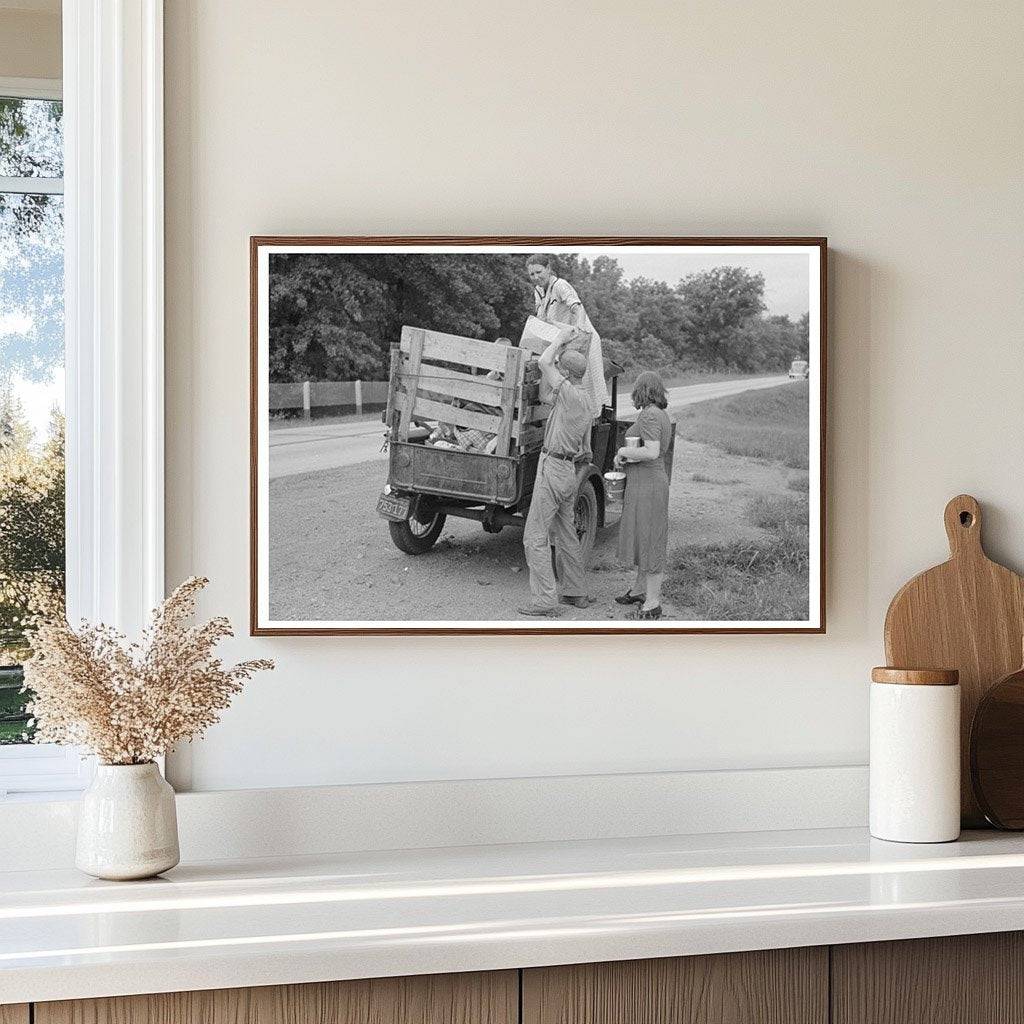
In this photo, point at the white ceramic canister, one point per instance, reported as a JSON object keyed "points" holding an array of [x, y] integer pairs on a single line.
{"points": [[127, 825], [915, 755]]}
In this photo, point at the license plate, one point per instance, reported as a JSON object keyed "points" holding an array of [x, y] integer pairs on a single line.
{"points": [[394, 508]]}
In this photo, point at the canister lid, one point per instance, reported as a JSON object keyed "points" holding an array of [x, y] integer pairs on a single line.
{"points": [[916, 676]]}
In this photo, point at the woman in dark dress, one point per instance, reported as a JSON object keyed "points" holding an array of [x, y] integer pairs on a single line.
{"points": [[643, 529]]}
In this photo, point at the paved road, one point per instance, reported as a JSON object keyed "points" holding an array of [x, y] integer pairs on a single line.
{"points": [[311, 447]]}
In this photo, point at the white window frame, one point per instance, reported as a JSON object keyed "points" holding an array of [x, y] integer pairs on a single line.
{"points": [[45, 767], [114, 325], [32, 88]]}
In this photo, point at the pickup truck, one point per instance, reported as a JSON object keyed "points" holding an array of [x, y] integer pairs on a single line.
{"points": [[443, 378]]}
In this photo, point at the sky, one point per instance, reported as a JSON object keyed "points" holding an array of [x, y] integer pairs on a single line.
{"points": [[24, 335], [31, 272], [29, 340], [786, 282], [38, 399]]}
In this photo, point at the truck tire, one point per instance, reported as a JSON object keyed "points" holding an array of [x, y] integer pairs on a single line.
{"points": [[415, 537], [587, 512]]}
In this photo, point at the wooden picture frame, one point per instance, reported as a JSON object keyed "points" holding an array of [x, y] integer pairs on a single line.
{"points": [[408, 348]]}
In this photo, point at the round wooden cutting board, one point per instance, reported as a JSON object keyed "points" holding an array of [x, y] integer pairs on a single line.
{"points": [[997, 752], [967, 614]]}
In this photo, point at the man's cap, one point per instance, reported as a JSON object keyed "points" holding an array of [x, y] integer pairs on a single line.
{"points": [[573, 365]]}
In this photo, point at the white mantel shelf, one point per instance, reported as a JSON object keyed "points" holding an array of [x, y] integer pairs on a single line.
{"points": [[266, 922]]}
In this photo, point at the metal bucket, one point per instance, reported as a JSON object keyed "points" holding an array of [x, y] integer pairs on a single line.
{"points": [[614, 487]]}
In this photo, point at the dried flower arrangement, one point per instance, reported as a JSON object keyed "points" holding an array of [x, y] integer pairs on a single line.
{"points": [[130, 703]]}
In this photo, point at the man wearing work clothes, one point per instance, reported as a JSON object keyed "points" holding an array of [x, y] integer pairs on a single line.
{"points": [[551, 518]]}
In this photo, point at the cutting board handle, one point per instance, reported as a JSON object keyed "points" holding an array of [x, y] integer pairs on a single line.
{"points": [[963, 526]]}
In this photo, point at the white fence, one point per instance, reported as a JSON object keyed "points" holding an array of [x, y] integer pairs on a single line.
{"points": [[345, 395]]}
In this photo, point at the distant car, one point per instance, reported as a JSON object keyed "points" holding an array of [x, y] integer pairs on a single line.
{"points": [[799, 370]]}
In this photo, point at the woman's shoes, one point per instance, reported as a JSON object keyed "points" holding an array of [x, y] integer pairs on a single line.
{"points": [[648, 613], [630, 598]]}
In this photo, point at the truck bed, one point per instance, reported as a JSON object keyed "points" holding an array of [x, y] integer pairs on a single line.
{"points": [[443, 378]]}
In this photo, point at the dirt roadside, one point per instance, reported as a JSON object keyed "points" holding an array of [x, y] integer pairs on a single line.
{"points": [[331, 556]]}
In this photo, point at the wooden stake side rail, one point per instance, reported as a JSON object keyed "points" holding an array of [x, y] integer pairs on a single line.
{"points": [[536, 413], [514, 363], [456, 415], [442, 380], [416, 339], [450, 348], [425, 384], [530, 437], [396, 357]]}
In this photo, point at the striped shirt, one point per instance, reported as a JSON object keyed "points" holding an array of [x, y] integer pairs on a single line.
{"points": [[559, 303]]}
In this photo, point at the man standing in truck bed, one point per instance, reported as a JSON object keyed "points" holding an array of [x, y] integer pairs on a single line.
{"points": [[551, 518]]}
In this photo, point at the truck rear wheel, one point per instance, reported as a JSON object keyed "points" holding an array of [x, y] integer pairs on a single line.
{"points": [[585, 512], [586, 515], [416, 537]]}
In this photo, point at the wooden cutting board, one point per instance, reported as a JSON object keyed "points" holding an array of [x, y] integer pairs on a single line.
{"points": [[967, 614], [997, 752]]}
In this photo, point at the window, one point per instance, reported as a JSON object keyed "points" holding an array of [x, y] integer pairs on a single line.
{"points": [[109, 208], [32, 549]]}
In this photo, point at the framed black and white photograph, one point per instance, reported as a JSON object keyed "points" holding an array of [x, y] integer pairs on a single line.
{"points": [[539, 435]]}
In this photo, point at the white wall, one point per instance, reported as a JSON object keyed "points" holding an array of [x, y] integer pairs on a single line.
{"points": [[895, 129], [30, 39]]}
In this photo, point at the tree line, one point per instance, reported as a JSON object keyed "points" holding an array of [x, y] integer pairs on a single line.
{"points": [[31, 525], [334, 316]]}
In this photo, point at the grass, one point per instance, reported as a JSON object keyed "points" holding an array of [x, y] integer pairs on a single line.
{"points": [[762, 580], [703, 478], [281, 421], [777, 512], [12, 732], [771, 423], [12, 716], [679, 378]]}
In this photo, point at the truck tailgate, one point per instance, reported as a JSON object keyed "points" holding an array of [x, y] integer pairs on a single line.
{"points": [[489, 479]]}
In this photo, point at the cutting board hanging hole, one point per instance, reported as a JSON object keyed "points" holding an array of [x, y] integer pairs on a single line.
{"points": [[963, 526]]}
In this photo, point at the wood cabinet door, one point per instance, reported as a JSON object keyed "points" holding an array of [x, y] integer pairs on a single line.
{"points": [[14, 1013], [960, 979], [481, 998], [777, 986]]}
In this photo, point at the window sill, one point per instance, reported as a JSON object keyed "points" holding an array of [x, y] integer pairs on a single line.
{"points": [[44, 771]]}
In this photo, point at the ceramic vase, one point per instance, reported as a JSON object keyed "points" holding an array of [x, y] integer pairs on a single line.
{"points": [[127, 825]]}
